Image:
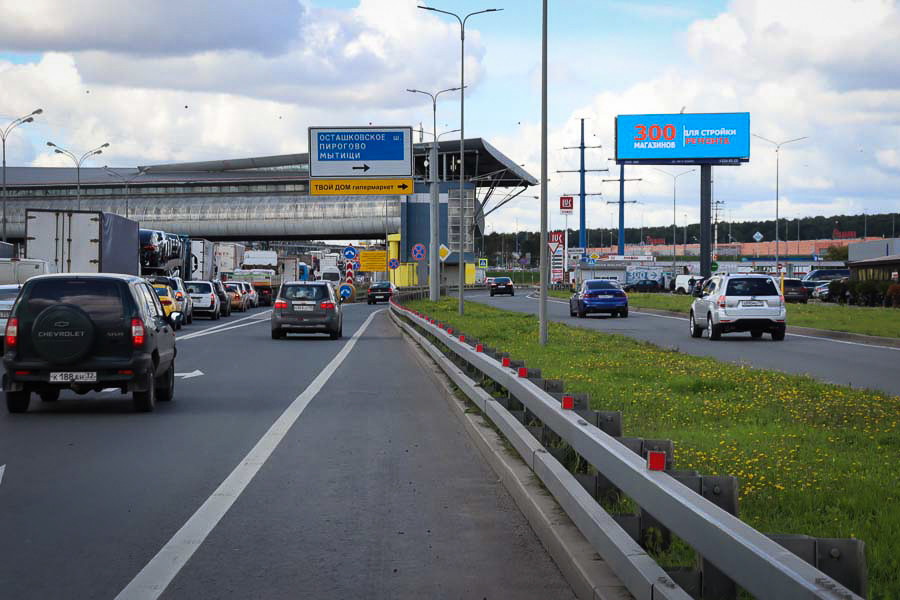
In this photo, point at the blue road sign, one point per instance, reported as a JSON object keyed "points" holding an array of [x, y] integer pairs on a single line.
{"points": [[346, 290], [394, 263], [350, 253], [360, 152], [418, 252]]}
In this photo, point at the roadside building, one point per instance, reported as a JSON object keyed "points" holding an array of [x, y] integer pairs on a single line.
{"points": [[882, 268]]}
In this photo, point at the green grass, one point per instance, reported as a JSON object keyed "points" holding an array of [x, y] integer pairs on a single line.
{"points": [[812, 458], [853, 319]]}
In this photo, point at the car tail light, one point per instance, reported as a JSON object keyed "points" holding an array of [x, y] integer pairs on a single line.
{"points": [[781, 299], [370, 290], [12, 332], [165, 301], [179, 296], [137, 333], [212, 298], [280, 304], [327, 306], [721, 301]]}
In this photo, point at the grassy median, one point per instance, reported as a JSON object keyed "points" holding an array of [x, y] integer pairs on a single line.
{"points": [[852, 319], [812, 458]]}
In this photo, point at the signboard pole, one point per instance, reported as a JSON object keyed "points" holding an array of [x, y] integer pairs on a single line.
{"points": [[705, 219], [434, 265], [582, 234], [622, 210], [462, 164], [542, 311], [566, 247]]}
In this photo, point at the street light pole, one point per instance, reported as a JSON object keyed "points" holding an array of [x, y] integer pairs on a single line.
{"points": [[542, 312], [127, 181], [674, 177], [4, 133], [434, 283], [778, 146], [78, 162], [462, 141]]}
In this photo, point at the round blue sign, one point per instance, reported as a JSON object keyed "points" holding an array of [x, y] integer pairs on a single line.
{"points": [[350, 253], [394, 263], [418, 252], [346, 290]]}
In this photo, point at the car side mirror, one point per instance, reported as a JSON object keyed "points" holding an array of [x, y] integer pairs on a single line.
{"points": [[175, 317]]}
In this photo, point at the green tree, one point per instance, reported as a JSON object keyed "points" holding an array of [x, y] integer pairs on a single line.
{"points": [[837, 253]]}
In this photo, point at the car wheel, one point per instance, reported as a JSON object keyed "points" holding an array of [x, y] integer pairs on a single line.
{"points": [[695, 331], [778, 336], [512, 293], [49, 395], [492, 294], [276, 334], [17, 402], [571, 312], [334, 334], [756, 334], [624, 313], [581, 313], [715, 331], [145, 401], [190, 318], [165, 386]]}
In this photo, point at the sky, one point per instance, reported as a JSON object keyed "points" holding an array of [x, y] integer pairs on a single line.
{"points": [[186, 80]]}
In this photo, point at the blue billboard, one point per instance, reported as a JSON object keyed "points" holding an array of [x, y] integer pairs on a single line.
{"points": [[685, 139]]}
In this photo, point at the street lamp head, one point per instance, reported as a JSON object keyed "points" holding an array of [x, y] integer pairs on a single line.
{"points": [[412, 90], [38, 111], [58, 151], [98, 152], [106, 145], [28, 120], [51, 144]]}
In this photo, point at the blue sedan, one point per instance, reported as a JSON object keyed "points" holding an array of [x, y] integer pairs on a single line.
{"points": [[599, 296]]}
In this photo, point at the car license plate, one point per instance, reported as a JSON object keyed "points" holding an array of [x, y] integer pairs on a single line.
{"points": [[603, 296], [70, 376], [752, 303], [304, 307], [379, 295]]}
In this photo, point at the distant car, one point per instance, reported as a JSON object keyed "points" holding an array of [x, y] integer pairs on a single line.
{"points": [[240, 299], [183, 302], [332, 274], [598, 296], [488, 281], [822, 292], [167, 299], [827, 274], [646, 286], [224, 297], [88, 332], [380, 290], [206, 301], [684, 284], [502, 285], [307, 307], [251, 293], [795, 291], [154, 247], [744, 302], [8, 295], [811, 284]]}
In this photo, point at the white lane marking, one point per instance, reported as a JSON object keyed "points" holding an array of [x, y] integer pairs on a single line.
{"points": [[191, 336], [2, 470], [153, 579], [800, 335], [191, 375], [221, 326]]}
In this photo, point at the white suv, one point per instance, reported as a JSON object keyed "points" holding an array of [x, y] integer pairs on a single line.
{"points": [[746, 302]]}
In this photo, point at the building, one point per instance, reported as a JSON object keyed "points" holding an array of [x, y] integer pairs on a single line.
{"points": [[881, 268]]}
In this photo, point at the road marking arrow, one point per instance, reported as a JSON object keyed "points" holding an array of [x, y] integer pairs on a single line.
{"points": [[194, 373], [363, 168]]}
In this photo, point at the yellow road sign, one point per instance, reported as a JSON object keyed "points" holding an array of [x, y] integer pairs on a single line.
{"points": [[443, 252], [356, 187], [373, 261]]}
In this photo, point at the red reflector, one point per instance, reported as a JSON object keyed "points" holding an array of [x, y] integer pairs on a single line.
{"points": [[462, 338], [280, 304], [137, 333], [125, 372], [523, 372], [449, 330], [656, 460], [12, 332], [568, 403], [23, 372], [479, 348], [505, 361]]}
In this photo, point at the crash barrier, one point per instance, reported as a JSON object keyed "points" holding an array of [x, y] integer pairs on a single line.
{"points": [[550, 428]]}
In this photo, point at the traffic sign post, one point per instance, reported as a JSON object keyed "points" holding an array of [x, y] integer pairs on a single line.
{"points": [[482, 263], [350, 253], [714, 266], [566, 205], [360, 187], [393, 263], [346, 290], [758, 237], [360, 152], [418, 252], [443, 252]]}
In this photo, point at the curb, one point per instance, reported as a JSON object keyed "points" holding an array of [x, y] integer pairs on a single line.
{"points": [[583, 569]]}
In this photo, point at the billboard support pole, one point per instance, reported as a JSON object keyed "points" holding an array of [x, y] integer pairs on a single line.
{"points": [[705, 220], [622, 209], [582, 235]]}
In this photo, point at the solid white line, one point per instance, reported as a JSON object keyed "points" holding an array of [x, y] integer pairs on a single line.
{"points": [[2, 470], [153, 579], [222, 326]]}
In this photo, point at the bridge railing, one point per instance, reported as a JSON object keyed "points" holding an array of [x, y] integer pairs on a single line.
{"points": [[757, 563]]}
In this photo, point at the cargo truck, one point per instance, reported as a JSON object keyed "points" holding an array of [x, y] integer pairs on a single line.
{"points": [[82, 241], [264, 281], [203, 260], [229, 256], [288, 266]]}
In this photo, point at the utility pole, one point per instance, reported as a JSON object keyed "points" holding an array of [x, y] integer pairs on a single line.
{"points": [[542, 327], [582, 231], [621, 202], [716, 205]]}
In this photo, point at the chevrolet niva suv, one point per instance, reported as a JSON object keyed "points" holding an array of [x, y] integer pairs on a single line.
{"points": [[747, 302], [88, 332]]}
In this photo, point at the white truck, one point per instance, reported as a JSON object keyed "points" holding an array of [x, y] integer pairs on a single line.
{"points": [[82, 241], [260, 259], [15, 270], [203, 260], [229, 256], [289, 267]]}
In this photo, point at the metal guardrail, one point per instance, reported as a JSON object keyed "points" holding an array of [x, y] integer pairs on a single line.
{"points": [[760, 565]]}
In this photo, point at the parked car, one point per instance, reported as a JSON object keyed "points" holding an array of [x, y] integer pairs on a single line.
{"points": [[380, 290], [251, 293], [827, 274], [744, 302], [167, 299], [811, 284], [684, 284], [794, 291], [646, 286], [154, 247], [598, 296], [205, 299], [307, 307], [224, 298], [183, 302], [8, 295], [240, 300], [502, 285], [88, 332], [822, 292]]}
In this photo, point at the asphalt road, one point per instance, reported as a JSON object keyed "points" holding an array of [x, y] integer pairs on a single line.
{"points": [[832, 361], [295, 468]]}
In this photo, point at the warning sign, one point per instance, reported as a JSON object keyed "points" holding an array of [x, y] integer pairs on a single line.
{"points": [[373, 261]]}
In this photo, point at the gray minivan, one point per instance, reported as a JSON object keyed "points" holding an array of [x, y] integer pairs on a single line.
{"points": [[307, 307]]}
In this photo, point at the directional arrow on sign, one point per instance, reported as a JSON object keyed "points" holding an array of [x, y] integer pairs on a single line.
{"points": [[192, 374], [402, 186], [363, 168]]}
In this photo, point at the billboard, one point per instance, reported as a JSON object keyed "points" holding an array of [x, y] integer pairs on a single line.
{"points": [[566, 205], [683, 139]]}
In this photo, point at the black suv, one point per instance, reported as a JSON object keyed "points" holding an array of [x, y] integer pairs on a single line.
{"points": [[88, 332]]}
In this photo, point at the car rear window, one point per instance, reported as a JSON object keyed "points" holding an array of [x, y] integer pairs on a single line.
{"points": [[198, 287], [793, 283], [502, 280], [9, 294], [233, 286], [751, 286], [304, 292], [101, 300], [161, 291], [382, 285], [602, 285]]}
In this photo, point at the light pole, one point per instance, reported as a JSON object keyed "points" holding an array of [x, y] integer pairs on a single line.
{"points": [[3, 135], [462, 140], [674, 177], [685, 234], [778, 146], [126, 180], [78, 161], [434, 264]]}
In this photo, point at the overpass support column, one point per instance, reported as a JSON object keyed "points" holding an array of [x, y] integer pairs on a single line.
{"points": [[705, 220]]}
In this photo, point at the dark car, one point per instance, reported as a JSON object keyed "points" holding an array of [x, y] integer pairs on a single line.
{"points": [[154, 247], [644, 286], [380, 290], [827, 274], [88, 332], [599, 296], [307, 307], [795, 291], [175, 245], [502, 285], [224, 298]]}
